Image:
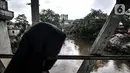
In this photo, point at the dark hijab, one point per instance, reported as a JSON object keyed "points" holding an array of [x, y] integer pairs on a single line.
{"points": [[41, 41]]}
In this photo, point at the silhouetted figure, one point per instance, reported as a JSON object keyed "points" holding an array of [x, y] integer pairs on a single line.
{"points": [[42, 41]]}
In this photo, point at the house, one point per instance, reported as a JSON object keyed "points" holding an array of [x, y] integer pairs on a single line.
{"points": [[12, 31]]}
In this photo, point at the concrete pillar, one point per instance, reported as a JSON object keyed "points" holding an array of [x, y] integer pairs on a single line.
{"points": [[35, 11], [5, 47]]}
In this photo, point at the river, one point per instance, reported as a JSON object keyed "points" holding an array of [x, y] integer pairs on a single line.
{"points": [[79, 47]]}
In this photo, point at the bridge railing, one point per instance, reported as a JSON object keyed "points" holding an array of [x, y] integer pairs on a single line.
{"points": [[77, 57]]}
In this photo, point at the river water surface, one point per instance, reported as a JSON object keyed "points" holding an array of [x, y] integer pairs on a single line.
{"points": [[79, 47], [72, 47]]}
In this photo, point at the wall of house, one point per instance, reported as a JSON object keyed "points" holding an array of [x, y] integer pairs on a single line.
{"points": [[13, 32]]}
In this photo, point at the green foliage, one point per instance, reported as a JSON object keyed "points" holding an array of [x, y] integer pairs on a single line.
{"points": [[50, 16], [21, 23], [21, 18], [126, 21], [88, 27]]}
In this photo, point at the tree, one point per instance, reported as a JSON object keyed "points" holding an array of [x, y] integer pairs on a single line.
{"points": [[126, 21], [21, 23], [89, 26], [94, 22], [50, 16]]}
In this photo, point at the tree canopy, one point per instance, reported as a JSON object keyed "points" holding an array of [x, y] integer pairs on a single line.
{"points": [[89, 26], [22, 24], [50, 16]]}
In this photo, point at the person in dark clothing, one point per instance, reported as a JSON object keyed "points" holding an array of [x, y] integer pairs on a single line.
{"points": [[43, 40]]}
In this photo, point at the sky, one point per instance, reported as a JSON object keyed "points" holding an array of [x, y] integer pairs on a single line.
{"points": [[74, 8]]}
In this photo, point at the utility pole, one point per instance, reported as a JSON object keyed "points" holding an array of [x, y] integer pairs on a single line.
{"points": [[35, 11]]}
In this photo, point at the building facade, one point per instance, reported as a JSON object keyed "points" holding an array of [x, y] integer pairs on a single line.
{"points": [[64, 19]]}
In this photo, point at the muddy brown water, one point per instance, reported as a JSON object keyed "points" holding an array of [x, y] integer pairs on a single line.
{"points": [[79, 47]]}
